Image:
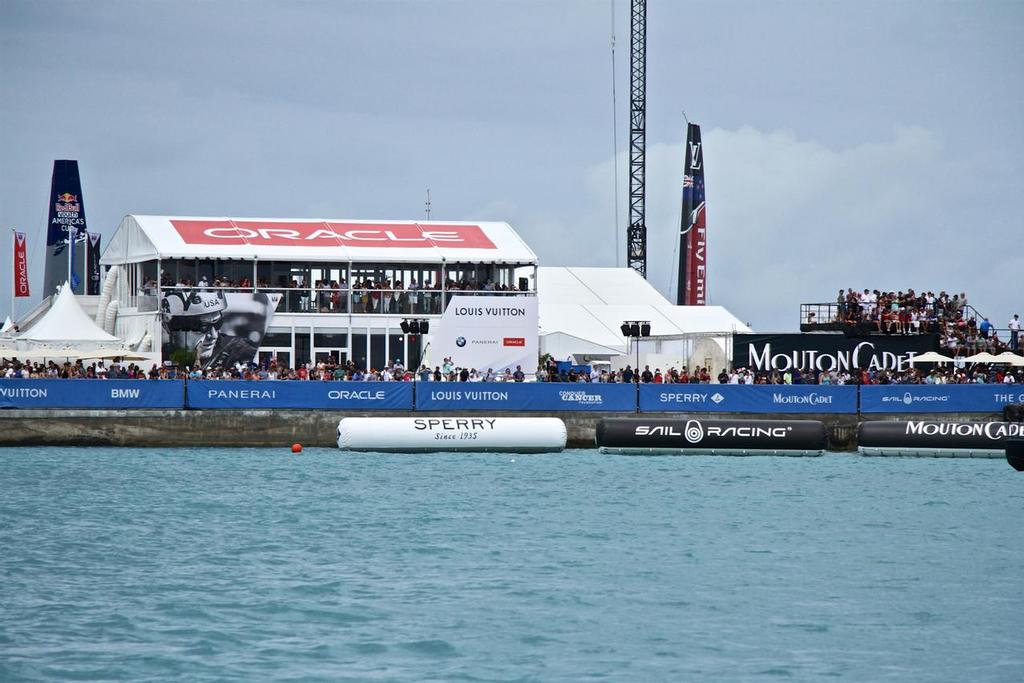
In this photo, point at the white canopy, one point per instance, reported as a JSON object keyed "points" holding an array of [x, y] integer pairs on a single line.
{"points": [[1010, 358], [7, 325], [582, 309], [66, 323], [931, 357], [145, 238]]}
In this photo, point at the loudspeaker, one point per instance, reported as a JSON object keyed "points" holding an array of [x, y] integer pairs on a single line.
{"points": [[524, 284], [645, 330], [405, 327], [625, 329], [424, 327], [634, 330]]}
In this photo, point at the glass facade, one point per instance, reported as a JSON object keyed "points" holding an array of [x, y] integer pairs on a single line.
{"points": [[345, 288], [333, 300]]}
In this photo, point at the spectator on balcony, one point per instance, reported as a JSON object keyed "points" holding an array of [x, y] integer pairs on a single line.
{"points": [[984, 328], [1014, 327]]}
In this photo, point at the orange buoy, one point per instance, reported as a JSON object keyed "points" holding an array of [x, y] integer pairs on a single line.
{"points": [[296, 448]]}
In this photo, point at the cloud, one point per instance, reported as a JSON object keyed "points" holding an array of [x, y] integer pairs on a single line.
{"points": [[792, 220]]}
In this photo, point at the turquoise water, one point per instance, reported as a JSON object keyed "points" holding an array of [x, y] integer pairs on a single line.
{"points": [[254, 564]]}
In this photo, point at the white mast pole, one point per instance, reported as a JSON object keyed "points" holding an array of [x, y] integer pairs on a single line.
{"points": [[70, 241]]}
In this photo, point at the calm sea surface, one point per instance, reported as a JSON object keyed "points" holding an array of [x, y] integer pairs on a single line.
{"points": [[256, 564]]}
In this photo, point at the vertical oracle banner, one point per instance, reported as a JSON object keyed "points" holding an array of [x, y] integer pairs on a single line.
{"points": [[693, 252], [20, 265], [66, 211], [482, 332]]}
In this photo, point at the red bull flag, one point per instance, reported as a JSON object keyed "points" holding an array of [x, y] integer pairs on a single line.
{"points": [[20, 265], [67, 213], [693, 251]]}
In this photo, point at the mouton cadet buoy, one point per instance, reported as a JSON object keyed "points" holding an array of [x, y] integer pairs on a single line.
{"points": [[676, 436], [432, 434], [937, 438], [1015, 453]]}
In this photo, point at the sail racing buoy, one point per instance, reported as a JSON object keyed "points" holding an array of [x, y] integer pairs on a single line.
{"points": [[676, 436]]}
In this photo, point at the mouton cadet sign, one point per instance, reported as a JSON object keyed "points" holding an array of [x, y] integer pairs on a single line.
{"points": [[484, 332]]}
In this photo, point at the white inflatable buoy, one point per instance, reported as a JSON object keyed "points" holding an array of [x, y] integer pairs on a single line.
{"points": [[436, 434]]}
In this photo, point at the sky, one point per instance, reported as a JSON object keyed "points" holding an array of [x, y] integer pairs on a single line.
{"points": [[869, 144]]}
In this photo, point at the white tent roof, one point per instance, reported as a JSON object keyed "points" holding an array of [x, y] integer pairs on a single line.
{"points": [[66, 322], [144, 238], [584, 307]]}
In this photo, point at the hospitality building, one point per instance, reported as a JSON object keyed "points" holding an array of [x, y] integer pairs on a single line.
{"points": [[341, 288]]}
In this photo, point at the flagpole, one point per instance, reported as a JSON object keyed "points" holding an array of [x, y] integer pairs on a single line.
{"points": [[85, 265], [14, 246], [70, 247]]}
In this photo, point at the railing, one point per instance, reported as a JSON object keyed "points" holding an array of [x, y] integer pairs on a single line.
{"points": [[354, 300], [833, 317], [426, 396]]}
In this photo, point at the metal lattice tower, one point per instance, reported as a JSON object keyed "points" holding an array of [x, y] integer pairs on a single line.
{"points": [[636, 233]]}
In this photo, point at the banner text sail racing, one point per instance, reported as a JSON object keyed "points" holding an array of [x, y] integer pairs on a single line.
{"points": [[693, 254], [66, 211]]}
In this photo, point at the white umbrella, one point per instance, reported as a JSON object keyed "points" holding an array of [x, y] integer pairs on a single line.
{"points": [[110, 355], [41, 353], [1010, 358], [931, 357], [983, 357]]}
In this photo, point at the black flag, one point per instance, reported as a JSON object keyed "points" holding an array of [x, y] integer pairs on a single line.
{"points": [[92, 268]]}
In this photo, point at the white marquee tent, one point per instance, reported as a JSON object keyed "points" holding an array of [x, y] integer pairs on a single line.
{"points": [[581, 310], [67, 325], [146, 238]]}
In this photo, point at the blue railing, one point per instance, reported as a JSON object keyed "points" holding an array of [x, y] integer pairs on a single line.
{"points": [[501, 396]]}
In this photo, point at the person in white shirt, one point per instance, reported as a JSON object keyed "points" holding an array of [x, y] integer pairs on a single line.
{"points": [[1014, 327]]}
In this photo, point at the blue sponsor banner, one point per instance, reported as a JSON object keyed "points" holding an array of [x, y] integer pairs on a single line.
{"points": [[939, 398], [119, 394], [743, 398], [553, 396], [213, 394]]}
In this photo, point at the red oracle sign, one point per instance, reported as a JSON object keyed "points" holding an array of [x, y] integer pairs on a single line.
{"points": [[296, 234], [514, 341]]}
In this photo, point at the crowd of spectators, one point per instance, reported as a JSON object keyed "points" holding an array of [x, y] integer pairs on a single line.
{"points": [[958, 372], [901, 312], [961, 329]]}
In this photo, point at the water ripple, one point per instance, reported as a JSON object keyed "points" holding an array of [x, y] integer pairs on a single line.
{"points": [[240, 564]]}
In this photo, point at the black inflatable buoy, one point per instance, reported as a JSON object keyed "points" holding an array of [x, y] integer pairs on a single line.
{"points": [[1015, 453]]}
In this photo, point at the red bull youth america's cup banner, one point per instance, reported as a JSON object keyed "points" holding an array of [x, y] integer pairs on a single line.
{"points": [[66, 216], [20, 265], [693, 252]]}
